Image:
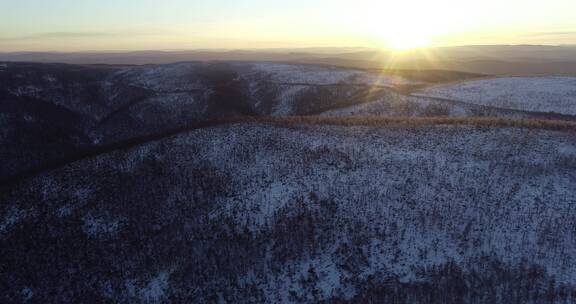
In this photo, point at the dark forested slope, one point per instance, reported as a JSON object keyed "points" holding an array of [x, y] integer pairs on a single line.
{"points": [[264, 213]]}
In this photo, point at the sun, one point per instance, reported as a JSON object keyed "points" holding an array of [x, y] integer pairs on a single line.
{"points": [[397, 25], [406, 41], [402, 37], [399, 36]]}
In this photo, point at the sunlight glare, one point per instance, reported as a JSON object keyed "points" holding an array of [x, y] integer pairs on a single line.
{"points": [[409, 24], [404, 40]]}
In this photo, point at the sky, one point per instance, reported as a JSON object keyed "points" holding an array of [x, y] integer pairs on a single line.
{"points": [[96, 25]]}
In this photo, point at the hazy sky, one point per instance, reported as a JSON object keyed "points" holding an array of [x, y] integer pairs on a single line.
{"points": [[66, 25]]}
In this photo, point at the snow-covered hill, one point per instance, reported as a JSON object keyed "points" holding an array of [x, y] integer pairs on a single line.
{"points": [[392, 104], [256, 213], [539, 94], [50, 110], [172, 184], [320, 75], [287, 89]]}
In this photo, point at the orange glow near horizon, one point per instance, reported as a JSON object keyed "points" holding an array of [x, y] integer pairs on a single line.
{"points": [[95, 25]]}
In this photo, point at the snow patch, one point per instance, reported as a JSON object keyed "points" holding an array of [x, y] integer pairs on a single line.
{"points": [[163, 78], [27, 294], [319, 75], [12, 218], [540, 94], [154, 291], [96, 226], [50, 78]]}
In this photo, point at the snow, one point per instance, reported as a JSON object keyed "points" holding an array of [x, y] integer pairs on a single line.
{"points": [[50, 78], [154, 291], [402, 198], [162, 77], [27, 294], [539, 94], [444, 160], [13, 216], [389, 104], [175, 100], [379, 153], [319, 75], [329, 279], [286, 100], [295, 89], [27, 90], [96, 226], [285, 73]]}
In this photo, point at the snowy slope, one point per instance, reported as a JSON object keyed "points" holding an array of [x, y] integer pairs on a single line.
{"points": [[252, 213], [393, 104], [50, 110], [540, 94], [170, 77], [290, 89], [320, 75]]}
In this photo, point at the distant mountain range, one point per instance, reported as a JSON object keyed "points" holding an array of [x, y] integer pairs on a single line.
{"points": [[498, 59]]}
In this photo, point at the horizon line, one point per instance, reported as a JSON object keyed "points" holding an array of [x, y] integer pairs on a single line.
{"points": [[278, 49]]}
